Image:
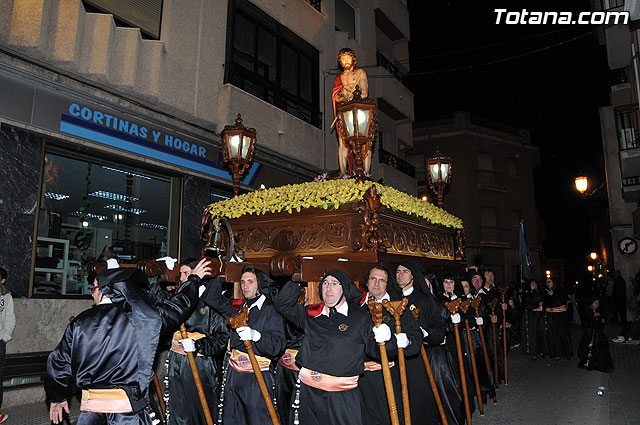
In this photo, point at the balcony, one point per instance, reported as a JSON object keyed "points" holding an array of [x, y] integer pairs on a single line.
{"points": [[498, 236], [392, 18], [631, 188], [491, 180], [627, 120], [385, 157], [393, 69]]}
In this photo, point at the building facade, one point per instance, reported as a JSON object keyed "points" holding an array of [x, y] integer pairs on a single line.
{"points": [[110, 119], [492, 187], [619, 123]]}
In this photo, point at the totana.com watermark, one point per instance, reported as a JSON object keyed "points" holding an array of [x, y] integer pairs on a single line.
{"points": [[524, 17]]}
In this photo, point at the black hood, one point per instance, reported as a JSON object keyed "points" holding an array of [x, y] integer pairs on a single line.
{"points": [[266, 285], [349, 289], [418, 278], [436, 285], [134, 278], [126, 287]]}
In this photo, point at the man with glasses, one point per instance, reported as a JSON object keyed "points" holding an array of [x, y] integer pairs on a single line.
{"points": [[108, 350], [332, 355]]}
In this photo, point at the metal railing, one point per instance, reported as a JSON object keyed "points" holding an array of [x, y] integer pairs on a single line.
{"points": [[393, 69], [492, 180], [627, 127], [630, 181], [385, 157], [316, 4], [498, 235], [273, 94]]}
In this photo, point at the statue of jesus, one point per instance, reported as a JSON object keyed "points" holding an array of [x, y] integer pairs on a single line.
{"points": [[346, 81]]}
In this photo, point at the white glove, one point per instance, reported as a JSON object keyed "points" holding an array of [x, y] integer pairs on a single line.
{"points": [[112, 263], [188, 345], [170, 262], [402, 340], [424, 333], [479, 321], [247, 334], [382, 333], [455, 318]]}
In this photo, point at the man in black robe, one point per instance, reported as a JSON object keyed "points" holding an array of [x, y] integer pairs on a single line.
{"points": [[108, 350], [487, 387], [381, 287], [411, 281], [491, 292], [241, 399], [207, 338], [533, 331], [557, 323], [332, 355]]}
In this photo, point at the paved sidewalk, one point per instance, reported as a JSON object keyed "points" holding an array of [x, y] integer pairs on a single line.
{"points": [[540, 392], [544, 392]]}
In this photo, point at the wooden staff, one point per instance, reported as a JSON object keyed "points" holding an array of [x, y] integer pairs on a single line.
{"points": [[453, 306], [496, 379], [156, 384], [503, 292], [396, 308], [476, 306], [196, 379], [416, 313], [464, 306], [376, 314], [236, 322]]}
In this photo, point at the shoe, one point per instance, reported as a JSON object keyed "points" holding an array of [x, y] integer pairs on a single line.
{"points": [[514, 346], [619, 338], [534, 358], [632, 341], [3, 416]]}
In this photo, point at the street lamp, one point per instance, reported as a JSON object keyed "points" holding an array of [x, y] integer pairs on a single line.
{"points": [[582, 183], [238, 144], [594, 256], [438, 174], [590, 268], [357, 124]]}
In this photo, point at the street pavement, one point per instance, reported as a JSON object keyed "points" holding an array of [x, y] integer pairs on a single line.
{"points": [[540, 392]]}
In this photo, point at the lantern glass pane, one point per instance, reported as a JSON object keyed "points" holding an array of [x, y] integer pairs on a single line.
{"points": [[581, 184], [245, 146], [348, 121], [234, 142], [435, 172], [363, 121], [444, 168]]}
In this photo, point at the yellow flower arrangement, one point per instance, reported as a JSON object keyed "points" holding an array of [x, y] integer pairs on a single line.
{"points": [[328, 194]]}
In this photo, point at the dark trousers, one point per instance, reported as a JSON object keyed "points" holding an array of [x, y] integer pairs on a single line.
{"points": [[619, 308], [131, 418], [3, 355]]}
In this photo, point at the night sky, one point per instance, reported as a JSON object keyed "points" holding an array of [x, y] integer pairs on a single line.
{"points": [[555, 93]]}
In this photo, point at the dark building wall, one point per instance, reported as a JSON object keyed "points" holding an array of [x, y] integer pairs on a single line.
{"points": [[19, 180], [196, 196], [465, 197]]}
